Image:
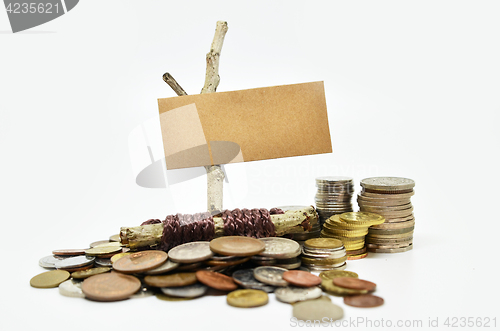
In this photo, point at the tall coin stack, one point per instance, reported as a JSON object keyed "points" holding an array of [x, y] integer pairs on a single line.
{"points": [[389, 197], [334, 196], [322, 254]]}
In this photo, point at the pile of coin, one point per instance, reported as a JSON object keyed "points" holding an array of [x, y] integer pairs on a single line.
{"points": [[389, 197], [334, 196], [351, 228], [324, 254]]}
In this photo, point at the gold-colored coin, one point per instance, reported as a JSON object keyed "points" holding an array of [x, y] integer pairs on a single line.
{"points": [[104, 249], [336, 221], [331, 274], [247, 298], [391, 236], [324, 261], [345, 233], [49, 279], [354, 247], [362, 218], [119, 255], [323, 243], [89, 272], [165, 297], [328, 286]]}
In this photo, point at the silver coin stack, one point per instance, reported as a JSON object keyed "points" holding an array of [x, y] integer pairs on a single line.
{"points": [[334, 196], [389, 197], [279, 252], [301, 237], [321, 259]]}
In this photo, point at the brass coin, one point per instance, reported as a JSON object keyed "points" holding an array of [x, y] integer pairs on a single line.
{"points": [[89, 272], [364, 301], [104, 249], [324, 243], [331, 274], [329, 287], [354, 283], [140, 261], [49, 279], [247, 298], [360, 217], [69, 252], [172, 280], [110, 286], [237, 246], [216, 280], [97, 243], [390, 231], [324, 261], [393, 195]]}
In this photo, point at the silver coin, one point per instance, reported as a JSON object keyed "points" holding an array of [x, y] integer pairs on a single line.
{"points": [[325, 268], [103, 262], [190, 291], [164, 268], [337, 179], [387, 183], [71, 288], [191, 252], [317, 310], [244, 277], [292, 294], [74, 262], [270, 275], [280, 248], [224, 257], [334, 255], [263, 287], [49, 262], [289, 266], [391, 250]]}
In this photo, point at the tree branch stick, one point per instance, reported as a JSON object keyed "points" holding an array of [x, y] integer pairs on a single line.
{"points": [[215, 175], [293, 221], [173, 84]]}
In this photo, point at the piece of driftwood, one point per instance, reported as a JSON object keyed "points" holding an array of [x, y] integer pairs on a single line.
{"points": [[292, 221]]}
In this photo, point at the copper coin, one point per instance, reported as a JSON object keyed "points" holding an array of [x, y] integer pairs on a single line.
{"points": [[237, 246], [216, 280], [354, 283], [140, 261], [172, 280], [364, 301], [301, 278], [357, 256], [227, 263], [356, 252], [69, 252], [110, 286]]}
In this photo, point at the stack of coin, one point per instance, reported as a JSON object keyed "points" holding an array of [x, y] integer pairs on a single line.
{"points": [[279, 252], [351, 228], [324, 254], [389, 197], [334, 196]]}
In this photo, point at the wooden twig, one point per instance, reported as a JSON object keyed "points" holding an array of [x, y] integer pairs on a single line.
{"points": [[292, 221], [215, 174], [173, 84]]}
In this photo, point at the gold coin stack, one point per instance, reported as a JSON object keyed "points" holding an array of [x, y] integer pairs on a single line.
{"points": [[351, 228], [334, 196], [320, 254], [390, 198]]}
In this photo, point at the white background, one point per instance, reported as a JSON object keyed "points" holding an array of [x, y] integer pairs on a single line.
{"points": [[412, 90]]}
